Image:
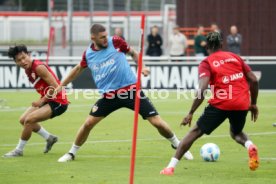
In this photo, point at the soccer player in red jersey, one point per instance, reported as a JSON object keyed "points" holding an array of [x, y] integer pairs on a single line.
{"points": [[49, 105], [230, 80]]}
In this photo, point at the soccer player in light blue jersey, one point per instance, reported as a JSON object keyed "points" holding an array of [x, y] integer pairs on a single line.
{"points": [[106, 59]]}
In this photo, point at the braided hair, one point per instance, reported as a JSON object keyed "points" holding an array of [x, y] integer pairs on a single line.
{"points": [[214, 41]]}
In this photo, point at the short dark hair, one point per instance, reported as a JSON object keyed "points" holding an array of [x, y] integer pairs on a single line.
{"points": [[97, 28], [214, 41], [13, 51]]}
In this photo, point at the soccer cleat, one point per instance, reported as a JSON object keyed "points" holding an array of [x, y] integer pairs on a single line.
{"points": [[188, 155], [50, 142], [274, 124], [13, 153], [67, 157], [253, 157], [173, 146], [169, 171]]}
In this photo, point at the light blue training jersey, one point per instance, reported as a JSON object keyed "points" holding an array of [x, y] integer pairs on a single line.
{"points": [[110, 68]]}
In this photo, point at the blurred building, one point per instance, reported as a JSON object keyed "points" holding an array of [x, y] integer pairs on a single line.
{"points": [[27, 20], [255, 20]]}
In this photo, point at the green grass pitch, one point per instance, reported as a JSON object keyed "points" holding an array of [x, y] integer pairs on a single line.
{"points": [[105, 158]]}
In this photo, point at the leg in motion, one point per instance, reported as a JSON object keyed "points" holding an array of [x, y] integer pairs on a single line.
{"points": [[82, 136], [237, 121], [30, 125], [183, 147], [166, 132]]}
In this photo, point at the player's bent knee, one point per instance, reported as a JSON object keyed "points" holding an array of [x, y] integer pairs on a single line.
{"points": [[29, 120], [91, 121], [21, 121]]}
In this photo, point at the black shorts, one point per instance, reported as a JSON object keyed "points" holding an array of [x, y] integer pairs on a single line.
{"points": [[212, 117], [57, 108], [106, 105]]}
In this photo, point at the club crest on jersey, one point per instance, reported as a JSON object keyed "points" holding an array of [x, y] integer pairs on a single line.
{"points": [[94, 108], [33, 75]]}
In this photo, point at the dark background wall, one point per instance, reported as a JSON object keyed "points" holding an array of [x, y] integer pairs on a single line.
{"points": [[255, 19]]}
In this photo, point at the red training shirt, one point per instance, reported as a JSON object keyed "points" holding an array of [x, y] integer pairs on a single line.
{"points": [[41, 86], [227, 72]]}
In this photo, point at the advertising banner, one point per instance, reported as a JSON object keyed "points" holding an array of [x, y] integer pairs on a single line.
{"points": [[162, 76]]}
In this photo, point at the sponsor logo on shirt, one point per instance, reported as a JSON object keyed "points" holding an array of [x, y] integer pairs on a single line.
{"points": [[217, 63], [104, 64], [233, 77]]}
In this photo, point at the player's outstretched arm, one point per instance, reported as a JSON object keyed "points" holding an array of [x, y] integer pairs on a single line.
{"points": [[74, 73], [135, 57], [203, 85]]}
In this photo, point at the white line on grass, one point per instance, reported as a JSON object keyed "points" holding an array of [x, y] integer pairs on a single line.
{"points": [[150, 157], [129, 140], [268, 158], [115, 156]]}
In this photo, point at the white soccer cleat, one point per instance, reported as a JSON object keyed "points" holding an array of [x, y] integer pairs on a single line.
{"points": [[67, 157], [13, 153], [188, 156]]}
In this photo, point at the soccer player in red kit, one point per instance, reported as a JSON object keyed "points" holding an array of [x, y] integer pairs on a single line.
{"points": [[49, 105], [230, 80]]}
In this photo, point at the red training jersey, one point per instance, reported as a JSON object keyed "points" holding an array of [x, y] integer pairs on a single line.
{"points": [[227, 72], [41, 86]]}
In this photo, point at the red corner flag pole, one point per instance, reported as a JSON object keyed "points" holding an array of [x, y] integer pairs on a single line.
{"points": [[137, 102]]}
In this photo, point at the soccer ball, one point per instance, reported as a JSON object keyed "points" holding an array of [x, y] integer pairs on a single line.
{"points": [[210, 152]]}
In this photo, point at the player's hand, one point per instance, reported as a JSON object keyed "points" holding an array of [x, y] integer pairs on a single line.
{"points": [[254, 112], [145, 71], [187, 120], [37, 103], [58, 89]]}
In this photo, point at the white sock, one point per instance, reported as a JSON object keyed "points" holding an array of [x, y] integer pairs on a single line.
{"points": [[174, 140], [173, 162], [248, 143], [43, 133], [21, 144], [74, 149]]}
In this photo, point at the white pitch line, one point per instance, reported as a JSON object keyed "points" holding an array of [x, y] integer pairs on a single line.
{"points": [[13, 109], [116, 156], [251, 134], [268, 158], [150, 157], [129, 140]]}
